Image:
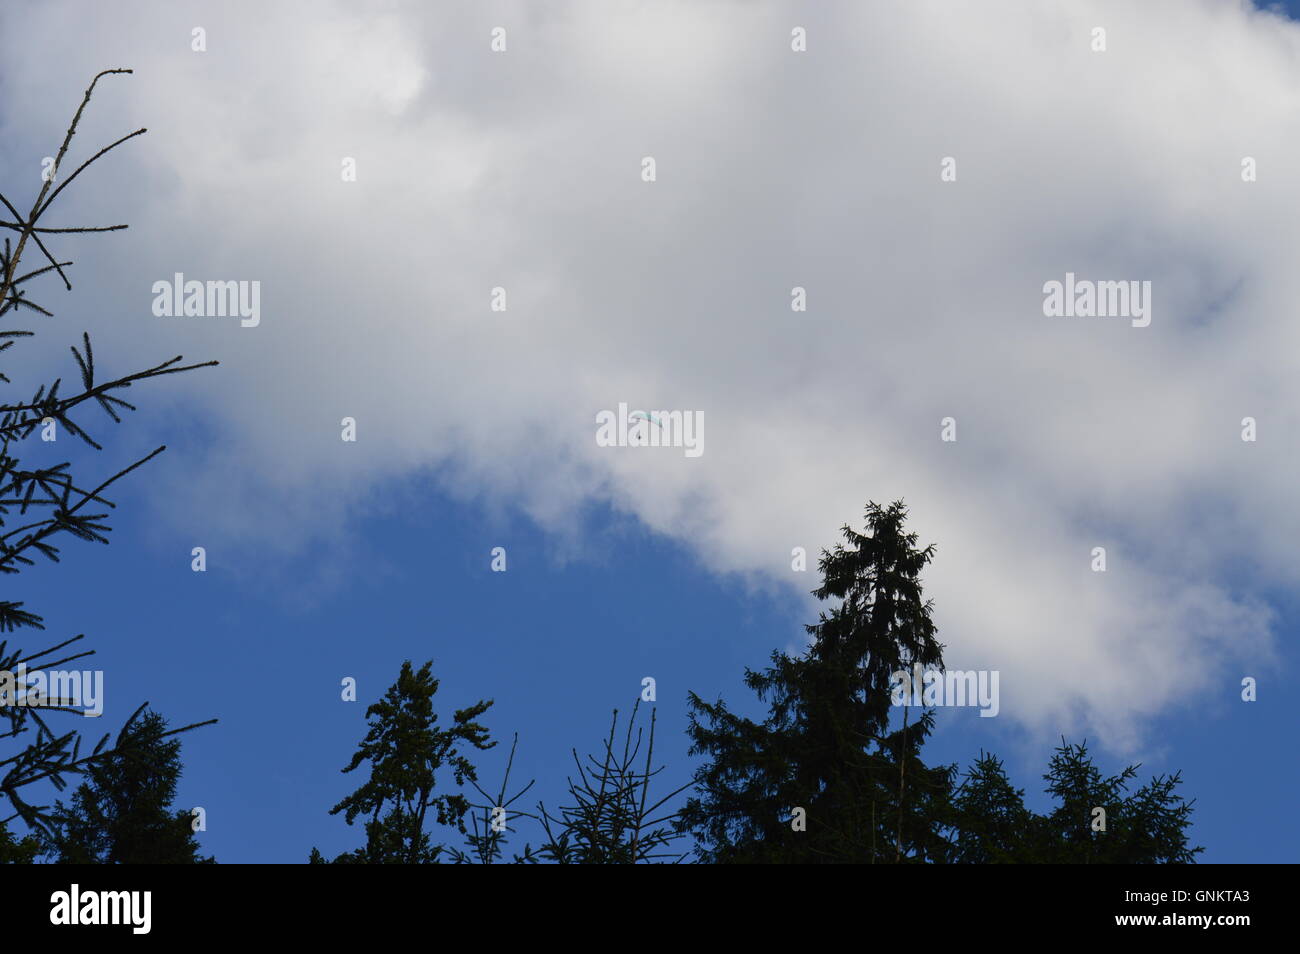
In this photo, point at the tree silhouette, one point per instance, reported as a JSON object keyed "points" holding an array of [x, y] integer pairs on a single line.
{"points": [[490, 822], [992, 823], [612, 817], [824, 779], [824, 747], [122, 813], [1148, 826], [39, 505], [17, 851], [408, 754]]}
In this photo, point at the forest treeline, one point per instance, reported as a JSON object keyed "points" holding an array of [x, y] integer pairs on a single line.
{"points": [[834, 773]]}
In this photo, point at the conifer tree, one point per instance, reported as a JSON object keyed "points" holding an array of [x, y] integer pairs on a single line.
{"points": [[612, 818], [992, 825], [410, 758], [122, 813], [43, 504], [828, 776], [491, 822], [17, 851], [1148, 826], [825, 748]]}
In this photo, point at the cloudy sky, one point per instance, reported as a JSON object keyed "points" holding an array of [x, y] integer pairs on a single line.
{"points": [[820, 169]]}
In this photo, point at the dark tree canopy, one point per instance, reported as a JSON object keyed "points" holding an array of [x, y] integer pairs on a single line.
{"points": [[825, 746], [122, 813], [17, 851], [827, 749], [409, 756]]}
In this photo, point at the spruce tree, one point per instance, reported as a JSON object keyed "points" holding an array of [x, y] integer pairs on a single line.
{"points": [[829, 776], [1148, 826], [491, 822], [410, 758], [611, 817], [42, 504], [122, 813], [825, 749], [992, 825]]}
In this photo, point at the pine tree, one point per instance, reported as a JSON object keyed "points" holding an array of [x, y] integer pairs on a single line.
{"points": [[992, 825], [408, 756], [828, 776], [491, 822], [612, 817], [825, 748], [1148, 826], [122, 813], [41, 505]]}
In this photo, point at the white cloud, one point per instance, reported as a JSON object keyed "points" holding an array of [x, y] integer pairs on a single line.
{"points": [[775, 169]]}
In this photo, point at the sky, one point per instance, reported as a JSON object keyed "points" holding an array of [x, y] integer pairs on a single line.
{"points": [[823, 169]]}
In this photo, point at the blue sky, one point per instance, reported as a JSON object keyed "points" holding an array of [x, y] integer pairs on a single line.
{"points": [[329, 560], [557, 646]]}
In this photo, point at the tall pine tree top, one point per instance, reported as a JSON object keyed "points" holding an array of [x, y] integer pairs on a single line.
{"points": [[824, 748], [408, 754]]}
